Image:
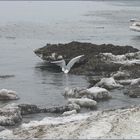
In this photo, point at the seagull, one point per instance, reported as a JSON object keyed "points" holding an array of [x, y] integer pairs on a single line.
{"points": [[66, 68]]}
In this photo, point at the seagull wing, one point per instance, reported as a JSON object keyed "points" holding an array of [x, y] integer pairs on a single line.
{"points": [[60, 63], [73, 61]]}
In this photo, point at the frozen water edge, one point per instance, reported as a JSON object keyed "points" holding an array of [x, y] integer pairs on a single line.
{"points": [[98, 124]]}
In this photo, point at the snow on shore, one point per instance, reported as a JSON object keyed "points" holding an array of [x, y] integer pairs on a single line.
{"points": [[127, 59], [120, 123], [130, 81]]}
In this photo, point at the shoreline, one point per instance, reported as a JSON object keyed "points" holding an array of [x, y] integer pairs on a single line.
{"points": [[107, 124]]}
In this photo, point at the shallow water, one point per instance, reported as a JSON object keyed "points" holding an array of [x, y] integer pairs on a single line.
{"points": [[28, 25]]}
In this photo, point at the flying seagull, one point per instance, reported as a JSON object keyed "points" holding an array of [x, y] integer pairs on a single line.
{"points": [[66, 68]]}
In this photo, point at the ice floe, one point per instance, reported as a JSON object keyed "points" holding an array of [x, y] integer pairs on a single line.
{"points": [[8, 95]]}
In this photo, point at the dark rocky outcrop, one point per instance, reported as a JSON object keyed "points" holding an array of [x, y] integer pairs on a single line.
{"points": [[91, 63], [31, 109], [12, 114]]}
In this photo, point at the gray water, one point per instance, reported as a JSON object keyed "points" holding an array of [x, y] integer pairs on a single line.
{"points": [[27, 25]]}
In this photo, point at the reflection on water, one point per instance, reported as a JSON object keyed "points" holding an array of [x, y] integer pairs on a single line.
{"points": [[56, 81], [57, 77]]}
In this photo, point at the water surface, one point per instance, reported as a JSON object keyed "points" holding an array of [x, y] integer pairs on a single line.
{"points": [[27, 25]]}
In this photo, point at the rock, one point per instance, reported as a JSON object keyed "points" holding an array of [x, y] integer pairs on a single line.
{"points": [[74, 106], [97, 93], [8, 95], [135, 82], [108, 124], [108, 83], [62, 109], [133, 70], [134, 89], [121, 62], [10, 116], [93, 80], [123, 58], [91, 63], [106, 67], [121, 75], [135, 55], [73, 92], [12, 113], [83, 102], [67, 113], [29, 109], [134, 92]]}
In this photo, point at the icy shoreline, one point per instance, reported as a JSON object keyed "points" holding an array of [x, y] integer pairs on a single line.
{"points": [[116, 123], [120, 123]]}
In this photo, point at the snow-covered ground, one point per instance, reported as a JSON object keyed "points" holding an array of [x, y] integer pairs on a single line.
{"points": [[121, 123]]}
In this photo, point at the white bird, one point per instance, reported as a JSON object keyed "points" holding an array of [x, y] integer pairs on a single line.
{"points": [[66, 68]]}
